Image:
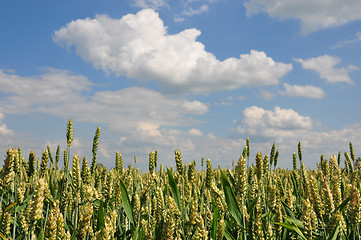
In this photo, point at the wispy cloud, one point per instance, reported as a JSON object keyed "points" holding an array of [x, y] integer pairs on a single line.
{"points": [[306, 91], [61, 93], [313, 14], [190, 11], [154, 4], [193, 7], [241, 97], [348, 42], [266, 95], [225, 102]]}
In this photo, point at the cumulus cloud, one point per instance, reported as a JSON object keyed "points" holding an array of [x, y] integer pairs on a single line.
{"points": [[148, 129], [286, 128], [313, 14], [277, 123], [139, 47], [306, 91], [325, 66], [4, 130]]}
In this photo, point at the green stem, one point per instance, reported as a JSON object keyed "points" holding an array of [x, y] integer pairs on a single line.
{"points": [[14, 227]]}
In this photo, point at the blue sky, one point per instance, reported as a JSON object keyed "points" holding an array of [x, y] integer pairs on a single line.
{"points": [[196, 75]]}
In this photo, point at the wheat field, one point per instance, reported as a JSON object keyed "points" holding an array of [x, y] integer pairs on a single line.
{"points": [[39, 200]]}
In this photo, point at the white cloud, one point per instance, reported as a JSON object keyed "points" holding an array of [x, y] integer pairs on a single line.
{"points": [[223, 102], [51, 88], [332, 141], [195, 107], [148, 129], [313, 14], [61, 93], [211, 136], [286, 128], [314, 143], [325, 66], [306, 91], [138, 46], [104, 151], [154, 4], [190, 11], [274, 126], [195, 132], [178, 19], [136, 109], [4, 130], [145, 119], [270, 124]]}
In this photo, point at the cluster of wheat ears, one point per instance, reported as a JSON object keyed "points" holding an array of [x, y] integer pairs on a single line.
{"points": [[40, 200]]}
